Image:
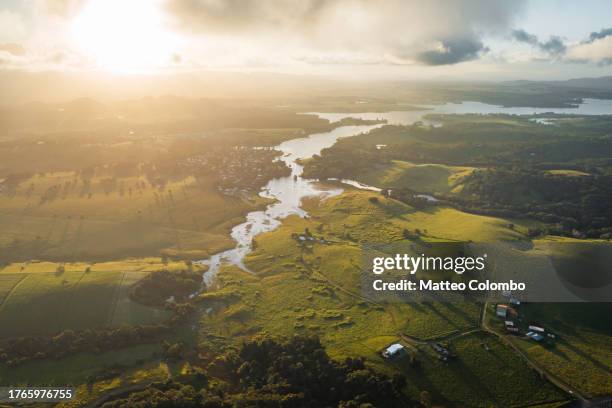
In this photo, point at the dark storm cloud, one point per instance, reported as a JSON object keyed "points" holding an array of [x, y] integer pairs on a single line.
{"points": [[452, 52], [554, 46]]}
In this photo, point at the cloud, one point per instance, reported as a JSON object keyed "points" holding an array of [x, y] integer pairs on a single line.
{"points": [[15, 57], [436, 32], [594, 50], [61, 8], [13, 49], [554, 46], [12, 26], [525, 37], [452, 51], [598, 35], [239, 15]]}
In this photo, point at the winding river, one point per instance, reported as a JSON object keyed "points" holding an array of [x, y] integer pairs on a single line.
{"points": [[289, 191]]}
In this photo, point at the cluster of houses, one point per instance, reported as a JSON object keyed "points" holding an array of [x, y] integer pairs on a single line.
{"points": [[509, 312], [238, 168]]}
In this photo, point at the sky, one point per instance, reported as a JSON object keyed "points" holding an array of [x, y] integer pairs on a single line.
{"points": [[361, 39]]}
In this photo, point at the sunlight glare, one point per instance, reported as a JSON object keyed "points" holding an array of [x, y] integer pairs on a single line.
{"points": [[123, 35]]}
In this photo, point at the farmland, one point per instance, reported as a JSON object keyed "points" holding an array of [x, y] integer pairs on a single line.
{"points": [[315, 289], [188, 217], [90, 244], [47, 298], [424, 178], [583, 332], [484, 370]]}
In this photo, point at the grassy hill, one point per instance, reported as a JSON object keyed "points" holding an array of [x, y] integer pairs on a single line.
{"points": [[315, 288], [423, 178]]}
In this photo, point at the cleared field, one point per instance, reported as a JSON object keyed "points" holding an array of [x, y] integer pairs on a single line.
{"points": [[448, 223], [7, 283], [37, 305], [424, 178], [479, 376], [49, 302], [569, 173], [354, 214], [314, 288], [123, 265], [51, 217], [75, 368], [125, 311], [581, 353]]}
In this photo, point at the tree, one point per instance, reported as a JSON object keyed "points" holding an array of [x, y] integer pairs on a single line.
{"points": [[425, 399]]}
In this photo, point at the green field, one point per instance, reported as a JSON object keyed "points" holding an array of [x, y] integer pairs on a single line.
{"points": [[423, 178], [315, 289], [40, 299], [581, 354], [75, 368], [188, 217], [479, 376]]}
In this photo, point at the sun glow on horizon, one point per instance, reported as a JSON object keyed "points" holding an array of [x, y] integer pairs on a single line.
{"points": [[124, 35]]}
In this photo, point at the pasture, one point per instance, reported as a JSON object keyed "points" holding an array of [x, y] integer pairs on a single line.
{"points": [[581, 353], [60, 216], [314, 288], [46, 298], [484, 373], [423, 178]]}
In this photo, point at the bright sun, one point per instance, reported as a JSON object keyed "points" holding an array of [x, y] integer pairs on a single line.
{"points": [[123, 35]]}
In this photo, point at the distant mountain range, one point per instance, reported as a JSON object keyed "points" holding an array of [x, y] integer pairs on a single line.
{"points": [[600, 83]]}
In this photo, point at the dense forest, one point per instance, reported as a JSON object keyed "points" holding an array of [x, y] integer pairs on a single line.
{"points": [[476, 140], [159, 287], [269, 373], [576, 206]]}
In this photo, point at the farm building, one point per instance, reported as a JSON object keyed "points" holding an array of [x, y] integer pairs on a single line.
{"points": [[512, 329], [535, 336], [394, 350], [502, 310]]}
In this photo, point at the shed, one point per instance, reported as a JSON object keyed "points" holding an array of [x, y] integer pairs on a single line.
{"points": [[394, 350], [535, 336], [502, 310]]}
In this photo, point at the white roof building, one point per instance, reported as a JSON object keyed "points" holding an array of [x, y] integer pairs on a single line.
{"points": [[393, 350]]}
